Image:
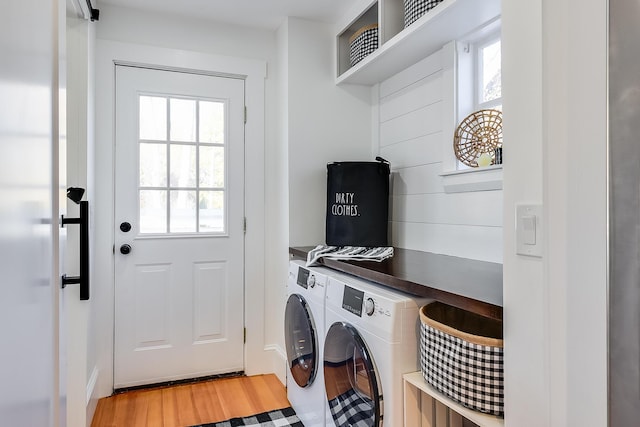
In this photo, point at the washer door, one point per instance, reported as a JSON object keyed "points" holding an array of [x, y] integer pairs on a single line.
{"points": [[351, 381], [301, 340]]}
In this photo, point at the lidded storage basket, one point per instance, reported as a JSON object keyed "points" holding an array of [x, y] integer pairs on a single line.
{"points": [[461, 355], [414, 9], [362, 43]]}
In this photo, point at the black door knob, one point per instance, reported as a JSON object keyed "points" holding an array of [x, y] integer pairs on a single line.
{"points": [[125, 249], [125, 227]]}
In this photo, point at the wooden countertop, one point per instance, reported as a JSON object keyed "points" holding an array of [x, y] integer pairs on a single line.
{"points": [[465, 283]]}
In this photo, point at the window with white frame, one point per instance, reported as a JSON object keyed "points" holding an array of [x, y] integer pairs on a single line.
{"points": [[476, 75], [482, 68]]}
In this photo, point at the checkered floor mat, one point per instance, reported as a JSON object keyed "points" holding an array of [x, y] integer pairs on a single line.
{"points": [[281, 418], [352, 409]]}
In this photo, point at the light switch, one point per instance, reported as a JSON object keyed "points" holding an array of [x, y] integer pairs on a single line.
{"points": [[529, 230]]}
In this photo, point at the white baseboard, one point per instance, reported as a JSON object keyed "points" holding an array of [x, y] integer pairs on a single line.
{"points": [[92, 398], [277, 361]]}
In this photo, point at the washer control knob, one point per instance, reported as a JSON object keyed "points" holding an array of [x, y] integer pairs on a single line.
{"points": [[311, 281], [369, 306]]}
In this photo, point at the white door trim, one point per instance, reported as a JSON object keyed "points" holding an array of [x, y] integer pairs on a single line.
{"points": [[254, 72]]}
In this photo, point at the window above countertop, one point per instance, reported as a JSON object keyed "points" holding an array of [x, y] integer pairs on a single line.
{"points": [[463, 73]]}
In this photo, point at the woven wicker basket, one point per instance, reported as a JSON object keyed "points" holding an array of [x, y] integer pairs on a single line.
{"points": [[414, 9], [362, 43], [479, 133], [461, 355]]}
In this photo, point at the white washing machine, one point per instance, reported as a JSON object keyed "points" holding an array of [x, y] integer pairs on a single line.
{"points": [[304, 341], [372, 336]]}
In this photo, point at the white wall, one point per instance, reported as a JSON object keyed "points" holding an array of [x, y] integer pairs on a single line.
{"points": [[524, 289], [77, 134], [320, 123], [575, 186], [80, 322], [94, 338], [277, 214], [412, 132], [171, 31], [325, 123], [190, 43], [550, 60], [554, 85]]}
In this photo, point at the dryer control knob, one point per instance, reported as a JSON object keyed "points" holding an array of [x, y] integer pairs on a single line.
{"points": [[369, 306], [311, 281]]}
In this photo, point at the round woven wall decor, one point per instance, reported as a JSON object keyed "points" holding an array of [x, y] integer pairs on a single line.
{"points": [[478, 133]]}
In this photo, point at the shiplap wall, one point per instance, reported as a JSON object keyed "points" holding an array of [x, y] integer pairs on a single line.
{"points": [[410, 134]]}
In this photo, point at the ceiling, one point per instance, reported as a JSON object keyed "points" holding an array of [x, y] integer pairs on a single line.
{"points": [[265, 14]]}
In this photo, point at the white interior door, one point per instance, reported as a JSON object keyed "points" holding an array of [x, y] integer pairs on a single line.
{"points": [[179, 215]]}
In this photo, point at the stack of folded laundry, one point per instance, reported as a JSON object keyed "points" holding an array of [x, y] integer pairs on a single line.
{"points": [[354, 253]]}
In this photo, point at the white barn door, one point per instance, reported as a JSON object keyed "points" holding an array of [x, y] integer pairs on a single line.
{"points": [[31, 113]]}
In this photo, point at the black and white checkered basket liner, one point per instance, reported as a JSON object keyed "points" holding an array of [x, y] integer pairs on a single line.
{"points": [[414, 9], [469, 373], [362, 43]]}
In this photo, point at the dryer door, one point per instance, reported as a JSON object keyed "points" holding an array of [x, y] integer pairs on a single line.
{"points": [[351, 381], [301, 340]]}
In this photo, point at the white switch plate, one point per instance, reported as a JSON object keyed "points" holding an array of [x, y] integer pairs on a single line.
{"points": [[529, 230]]}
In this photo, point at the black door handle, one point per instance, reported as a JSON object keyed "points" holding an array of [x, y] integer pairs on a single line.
{"points": [[125, 249], [83, 278], [125, 227]]}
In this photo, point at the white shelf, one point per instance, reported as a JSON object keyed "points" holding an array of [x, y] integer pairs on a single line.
{"points": [[416, 381], [450, 20], [473, 179]]}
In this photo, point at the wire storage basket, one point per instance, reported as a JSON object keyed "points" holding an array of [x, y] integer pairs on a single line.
{"points": [[461, 355]]}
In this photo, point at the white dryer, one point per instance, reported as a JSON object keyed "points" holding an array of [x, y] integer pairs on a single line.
{"points": [[304, 340], [371, 341]]}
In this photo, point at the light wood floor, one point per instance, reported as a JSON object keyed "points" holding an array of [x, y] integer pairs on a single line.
{"points": [[192, 404]]}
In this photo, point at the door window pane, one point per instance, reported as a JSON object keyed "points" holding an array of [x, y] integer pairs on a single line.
{"points": [[181, 182], [211, 122], [153, 165], [212, 167], [211, 211], [183, 212], [153, 118], [183, 120], [153, 211], [183, 165]]}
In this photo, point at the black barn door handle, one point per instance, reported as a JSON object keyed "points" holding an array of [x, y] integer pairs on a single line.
{"points": [[83, 278]]}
